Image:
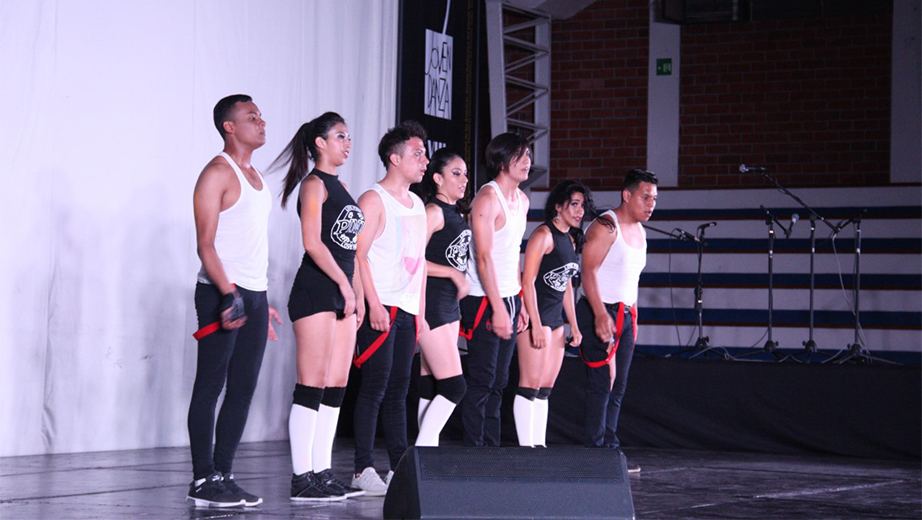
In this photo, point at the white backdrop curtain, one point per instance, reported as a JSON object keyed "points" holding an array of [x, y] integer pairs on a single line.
{"points": [[106, 125]]}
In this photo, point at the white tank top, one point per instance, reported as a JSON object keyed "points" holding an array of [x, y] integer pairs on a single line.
{"points": [[398, 255], [507, 247], [242, 237], [619, 273]]}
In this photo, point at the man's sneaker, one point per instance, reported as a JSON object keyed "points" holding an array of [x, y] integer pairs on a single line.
{"points": [[249, 499], [389, 477], [213, 493], [370, 482], [633, 468], [330, 481], [306, 487]]}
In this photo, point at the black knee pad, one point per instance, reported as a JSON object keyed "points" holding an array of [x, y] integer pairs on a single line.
{"points": [[544, 393], [527, 393], [425, 387], [333, 396], [308, 396], [453, 388]]}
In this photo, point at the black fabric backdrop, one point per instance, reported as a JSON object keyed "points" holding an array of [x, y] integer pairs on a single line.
{"points": [[872, 411]]}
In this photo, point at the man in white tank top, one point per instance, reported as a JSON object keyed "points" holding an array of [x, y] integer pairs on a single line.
{"points": [[492, 313], [392, 265], [614, 255], [231, 205]]}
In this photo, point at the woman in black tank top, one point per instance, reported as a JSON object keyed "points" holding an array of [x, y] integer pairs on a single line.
{"points": [[441, 385], [326, 302], [550, 264]]}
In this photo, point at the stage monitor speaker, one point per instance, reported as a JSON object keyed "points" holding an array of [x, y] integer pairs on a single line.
{"points": [[494, 483]]}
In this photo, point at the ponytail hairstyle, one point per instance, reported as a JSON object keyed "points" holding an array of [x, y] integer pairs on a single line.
{"points": [[302, 149], [560, 195], [427, 188]]}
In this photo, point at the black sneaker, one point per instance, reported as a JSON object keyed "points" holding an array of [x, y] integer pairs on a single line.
{"points": [[212, 493], [306, 487], [249, 499], [633, 468], [330, 481]]}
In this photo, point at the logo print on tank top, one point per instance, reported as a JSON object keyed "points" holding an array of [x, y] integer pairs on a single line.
{"points": [[558, 278], [457, 252], [345, 231]]}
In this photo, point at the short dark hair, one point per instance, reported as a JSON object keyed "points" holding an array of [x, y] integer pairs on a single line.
{"points": [[634, 177], [502, 151], [395, 139], [224, 108]]}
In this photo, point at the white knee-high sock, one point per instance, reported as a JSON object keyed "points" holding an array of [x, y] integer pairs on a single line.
{"points": [[431, 425], [423, 406], [540, 431], [327, 419], [302, 424], [523, 409]]}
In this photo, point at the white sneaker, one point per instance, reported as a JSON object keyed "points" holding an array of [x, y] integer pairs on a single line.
{"points": [[387, 479], [370, 482]]}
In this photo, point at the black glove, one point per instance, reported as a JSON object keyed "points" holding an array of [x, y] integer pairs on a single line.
{"points": [[234, 302]]}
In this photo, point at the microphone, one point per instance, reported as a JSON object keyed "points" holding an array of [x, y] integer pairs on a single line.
{"points": [[794, 218], [748, 169], [685, 235], [709, 224]]}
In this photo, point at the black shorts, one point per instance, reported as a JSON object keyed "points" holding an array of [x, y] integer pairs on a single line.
{"points": [[551, 314], [313, 292], [441, 302]]}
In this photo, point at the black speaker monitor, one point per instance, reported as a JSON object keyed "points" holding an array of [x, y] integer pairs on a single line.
{"points": [[495, 483]]}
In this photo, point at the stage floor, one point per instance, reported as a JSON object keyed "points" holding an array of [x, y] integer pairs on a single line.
{"points": [[672, 484]]}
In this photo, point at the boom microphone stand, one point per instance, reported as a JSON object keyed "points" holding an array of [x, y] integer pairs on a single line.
{"points": [[681, 234], [856, 351]]}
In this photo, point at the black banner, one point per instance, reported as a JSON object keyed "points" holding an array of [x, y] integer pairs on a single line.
{"points": [[437, 72]]}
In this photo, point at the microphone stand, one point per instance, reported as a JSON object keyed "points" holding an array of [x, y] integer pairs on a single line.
{"points": [[855, 350], [771, 345], [681, 234]]}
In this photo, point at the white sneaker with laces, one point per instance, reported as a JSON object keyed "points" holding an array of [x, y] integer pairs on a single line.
{"points": [[370, 482], [387, 479]]}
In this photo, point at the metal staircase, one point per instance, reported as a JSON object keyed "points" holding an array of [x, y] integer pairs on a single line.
{"points": [[519, 57]]}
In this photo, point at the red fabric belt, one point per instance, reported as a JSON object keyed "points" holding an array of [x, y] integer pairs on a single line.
{"points": [[469, 333], [377, 343], [211, 327], [619, 327]]}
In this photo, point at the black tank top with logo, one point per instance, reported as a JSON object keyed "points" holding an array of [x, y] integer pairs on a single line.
{"points": [[450, 245], [555, 271], [341, 221]]}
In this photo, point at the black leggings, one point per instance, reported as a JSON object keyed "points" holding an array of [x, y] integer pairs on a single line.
{"points": [[603, 402], [488, 360], [384, 386], [224, 356]]}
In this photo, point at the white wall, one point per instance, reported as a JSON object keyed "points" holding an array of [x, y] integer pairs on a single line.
{"points": [[107, 122]]}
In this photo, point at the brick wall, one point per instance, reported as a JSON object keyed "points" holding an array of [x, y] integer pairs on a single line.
{"points": [[808, 98], [599, 93]]}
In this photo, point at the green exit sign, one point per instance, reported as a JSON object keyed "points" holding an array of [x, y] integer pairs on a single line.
{"points": [[664, 67]]}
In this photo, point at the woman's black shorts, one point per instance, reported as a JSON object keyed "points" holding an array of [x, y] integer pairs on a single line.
{"points": [[441, 302], [313, 291]]}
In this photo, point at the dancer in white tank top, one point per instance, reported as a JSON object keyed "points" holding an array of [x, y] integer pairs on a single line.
{"points": [[491, 315], [613, 257], [231, 204], [392, 263]]}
